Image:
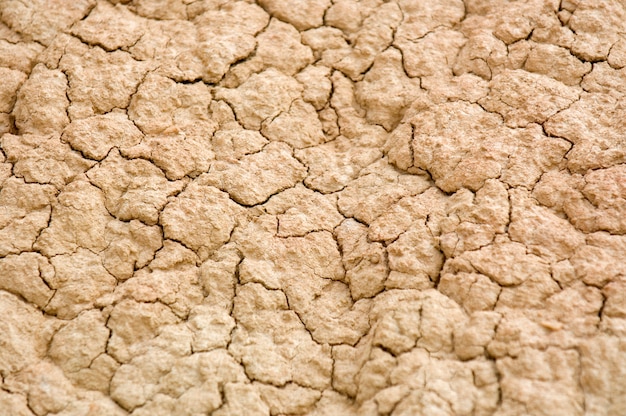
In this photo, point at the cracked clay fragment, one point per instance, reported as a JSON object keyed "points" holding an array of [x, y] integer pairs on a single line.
{"points": [[595, 126], [132, 245], [251, 180], [43, 159], [24, 213], [95, 136], [161, 105], [36, 19], [26, 275], [521, 97], [279, 47], [314, 212], [79, 218], [12, 81], [48, 112], [261, 97], [201, 217], [100, 81], [23, 344], [302, 14], [79, 280], [299, 127], [178, 155], [133, 189], [386, 90], [111, 27]]}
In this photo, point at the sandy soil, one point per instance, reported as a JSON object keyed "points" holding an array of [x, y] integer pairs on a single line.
{"points": [[313, 207]]}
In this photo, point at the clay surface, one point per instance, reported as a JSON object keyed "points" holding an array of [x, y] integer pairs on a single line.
{"points": [[313, 207]]}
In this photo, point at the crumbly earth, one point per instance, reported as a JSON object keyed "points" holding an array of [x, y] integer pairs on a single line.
{"points": [[312, 207]]}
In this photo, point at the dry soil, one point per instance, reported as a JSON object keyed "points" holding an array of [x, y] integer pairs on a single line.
{"points": [[313, 207]]}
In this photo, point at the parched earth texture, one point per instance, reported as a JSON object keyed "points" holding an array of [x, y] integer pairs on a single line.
{"points": [[312, 207]]}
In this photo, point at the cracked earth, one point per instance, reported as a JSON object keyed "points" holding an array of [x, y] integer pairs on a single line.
{"points": [[313, 207]]}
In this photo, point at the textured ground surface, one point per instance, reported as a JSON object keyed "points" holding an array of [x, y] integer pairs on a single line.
{"points": [[312, 207]]}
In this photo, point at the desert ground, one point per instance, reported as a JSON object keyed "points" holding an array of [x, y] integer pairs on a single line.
{"points": [[312, 207]]}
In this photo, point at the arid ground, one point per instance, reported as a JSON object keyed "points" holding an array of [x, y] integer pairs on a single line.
{"points": [[313, 207]]}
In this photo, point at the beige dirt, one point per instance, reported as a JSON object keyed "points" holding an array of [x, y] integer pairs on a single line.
{"points": [[312, 207]]}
